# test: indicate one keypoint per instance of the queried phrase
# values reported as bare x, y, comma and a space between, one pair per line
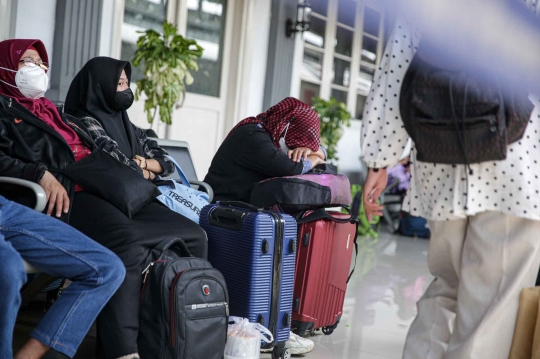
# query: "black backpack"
455, 116
184, 306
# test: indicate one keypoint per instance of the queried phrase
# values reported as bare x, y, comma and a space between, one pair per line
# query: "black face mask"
123, 100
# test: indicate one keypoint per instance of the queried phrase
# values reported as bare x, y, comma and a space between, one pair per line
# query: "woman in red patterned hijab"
283, 141
292, 120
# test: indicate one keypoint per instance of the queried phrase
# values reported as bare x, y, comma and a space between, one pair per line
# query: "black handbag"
104, 175
456, 117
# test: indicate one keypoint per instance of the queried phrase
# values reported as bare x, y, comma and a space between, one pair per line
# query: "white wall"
349, 148
36, 20
297, 64
107, 28
5, 14
259, 57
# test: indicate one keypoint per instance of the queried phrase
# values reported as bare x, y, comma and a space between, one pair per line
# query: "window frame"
177, 14
326, 84
172, 15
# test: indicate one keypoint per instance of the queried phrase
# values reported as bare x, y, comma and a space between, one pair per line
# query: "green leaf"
167, 59
333, 117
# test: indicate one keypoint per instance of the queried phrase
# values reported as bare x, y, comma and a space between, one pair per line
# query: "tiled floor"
390, 277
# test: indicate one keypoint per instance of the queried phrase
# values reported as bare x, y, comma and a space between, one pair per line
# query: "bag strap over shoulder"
181, 173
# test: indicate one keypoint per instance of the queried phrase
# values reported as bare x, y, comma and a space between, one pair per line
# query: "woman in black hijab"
100, 95
101, 103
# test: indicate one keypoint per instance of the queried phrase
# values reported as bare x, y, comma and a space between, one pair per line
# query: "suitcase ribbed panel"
325, 304
322, 271
289, 265
238, 255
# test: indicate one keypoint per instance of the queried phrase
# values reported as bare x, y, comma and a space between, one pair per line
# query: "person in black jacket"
283, 141
36, 138
99, 96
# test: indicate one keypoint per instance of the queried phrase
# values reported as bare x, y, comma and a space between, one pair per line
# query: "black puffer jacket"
247, 156
29, 147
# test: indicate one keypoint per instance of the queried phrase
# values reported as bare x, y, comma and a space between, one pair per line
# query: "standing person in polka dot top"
485, 226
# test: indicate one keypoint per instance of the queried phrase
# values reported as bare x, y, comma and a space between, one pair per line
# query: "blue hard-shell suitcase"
256, 252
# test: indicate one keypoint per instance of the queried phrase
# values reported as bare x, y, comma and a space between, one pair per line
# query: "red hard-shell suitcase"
326, 241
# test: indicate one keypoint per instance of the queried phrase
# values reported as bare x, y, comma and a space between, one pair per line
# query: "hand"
315, 160
320, 153
56, 194
375, 183
149, 175
141, 162
298, 153
154, 166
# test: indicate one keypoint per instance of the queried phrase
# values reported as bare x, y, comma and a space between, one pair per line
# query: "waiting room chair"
180, 151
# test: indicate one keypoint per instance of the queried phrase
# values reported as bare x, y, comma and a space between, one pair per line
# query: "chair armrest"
207, 188
41, 197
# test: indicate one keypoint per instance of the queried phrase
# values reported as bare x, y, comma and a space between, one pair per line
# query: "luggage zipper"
145, 273
148, 267
172, 306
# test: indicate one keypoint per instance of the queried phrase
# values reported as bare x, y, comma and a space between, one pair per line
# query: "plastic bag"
244, 339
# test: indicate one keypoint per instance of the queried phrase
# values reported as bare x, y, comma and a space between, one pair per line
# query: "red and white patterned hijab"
304, 126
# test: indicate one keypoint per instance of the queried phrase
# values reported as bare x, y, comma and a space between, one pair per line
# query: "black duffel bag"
321, 187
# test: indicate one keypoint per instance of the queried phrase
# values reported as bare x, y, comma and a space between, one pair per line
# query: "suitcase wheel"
328, 330
280, 352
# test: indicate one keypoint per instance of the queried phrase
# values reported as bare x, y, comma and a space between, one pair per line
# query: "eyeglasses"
43, 65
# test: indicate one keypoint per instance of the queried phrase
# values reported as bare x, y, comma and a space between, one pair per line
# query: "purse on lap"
104, 175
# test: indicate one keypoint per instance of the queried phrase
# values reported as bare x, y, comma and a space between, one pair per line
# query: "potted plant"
167, 59
333, 115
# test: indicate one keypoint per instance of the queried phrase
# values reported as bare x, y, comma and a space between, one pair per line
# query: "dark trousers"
131, 239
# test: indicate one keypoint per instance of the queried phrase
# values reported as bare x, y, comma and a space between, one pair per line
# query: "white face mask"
282, 143
31, 80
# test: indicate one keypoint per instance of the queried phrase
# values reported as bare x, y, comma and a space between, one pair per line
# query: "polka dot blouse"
446, 192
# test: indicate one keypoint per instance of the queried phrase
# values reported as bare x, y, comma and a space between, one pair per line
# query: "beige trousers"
480, 266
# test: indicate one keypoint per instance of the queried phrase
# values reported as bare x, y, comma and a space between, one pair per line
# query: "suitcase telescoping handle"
227, 218
239, 204
322, 214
